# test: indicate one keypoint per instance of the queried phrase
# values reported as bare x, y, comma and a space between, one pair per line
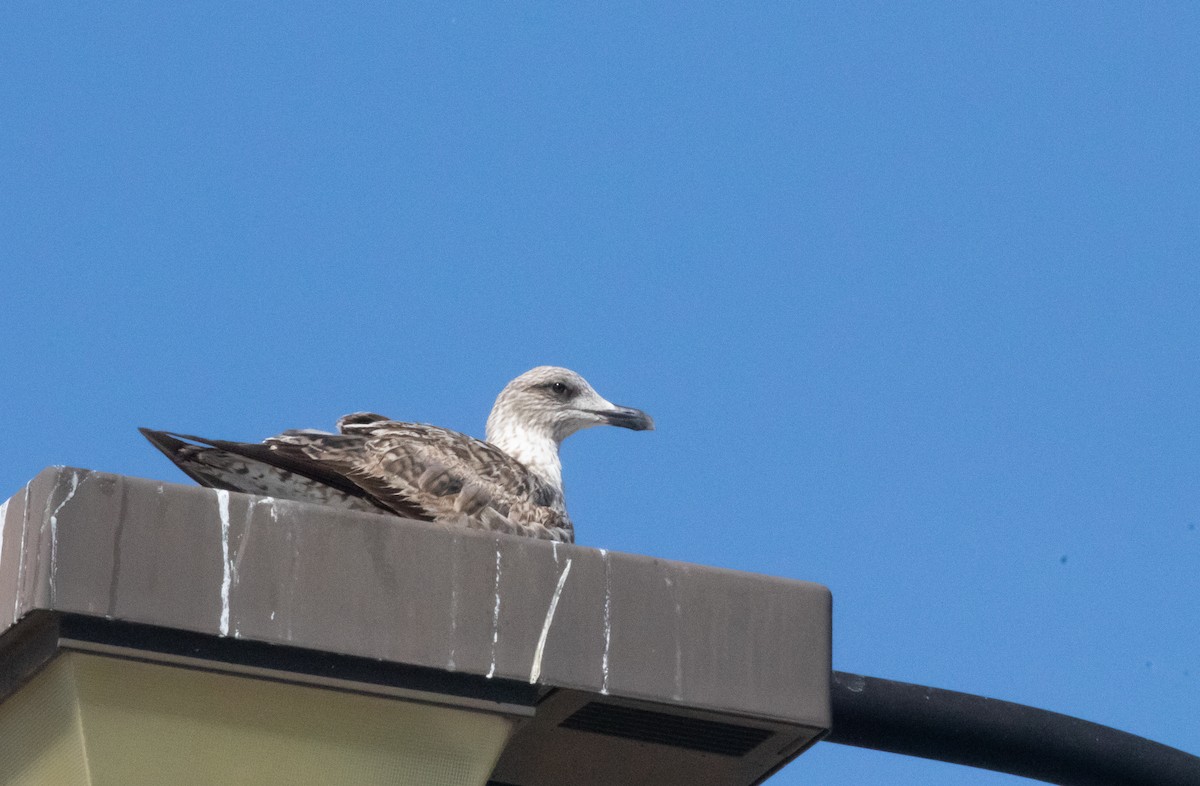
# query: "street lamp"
171, 634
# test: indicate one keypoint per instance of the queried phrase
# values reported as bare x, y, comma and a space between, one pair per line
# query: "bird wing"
450, 476
375, 464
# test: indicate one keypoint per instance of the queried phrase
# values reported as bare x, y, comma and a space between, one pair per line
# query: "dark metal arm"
975, 731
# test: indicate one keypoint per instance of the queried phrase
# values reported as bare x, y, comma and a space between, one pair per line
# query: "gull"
510, 483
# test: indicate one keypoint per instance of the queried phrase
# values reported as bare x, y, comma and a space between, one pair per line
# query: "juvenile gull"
510, 483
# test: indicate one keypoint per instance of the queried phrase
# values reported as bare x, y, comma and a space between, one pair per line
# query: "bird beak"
626, 417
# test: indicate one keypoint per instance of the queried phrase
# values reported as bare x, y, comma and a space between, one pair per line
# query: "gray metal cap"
626, 654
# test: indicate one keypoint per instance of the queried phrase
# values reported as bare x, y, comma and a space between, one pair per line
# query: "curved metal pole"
975, 731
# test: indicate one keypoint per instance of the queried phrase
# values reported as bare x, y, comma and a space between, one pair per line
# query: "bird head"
553, 403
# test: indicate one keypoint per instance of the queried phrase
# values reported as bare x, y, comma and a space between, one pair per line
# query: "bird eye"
560, 388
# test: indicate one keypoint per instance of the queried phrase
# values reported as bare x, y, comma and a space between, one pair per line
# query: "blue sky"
910, 289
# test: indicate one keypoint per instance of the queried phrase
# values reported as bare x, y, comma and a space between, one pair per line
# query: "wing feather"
410, 469
449, 474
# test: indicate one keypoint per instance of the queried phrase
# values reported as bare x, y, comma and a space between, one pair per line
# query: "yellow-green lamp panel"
103, 721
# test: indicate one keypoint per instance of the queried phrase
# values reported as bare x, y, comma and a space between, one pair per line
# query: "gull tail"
258, 469
190, 458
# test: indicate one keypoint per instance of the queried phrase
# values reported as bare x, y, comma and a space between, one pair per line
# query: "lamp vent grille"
726, 739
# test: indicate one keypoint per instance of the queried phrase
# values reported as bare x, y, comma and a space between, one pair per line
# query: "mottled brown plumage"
511, 483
